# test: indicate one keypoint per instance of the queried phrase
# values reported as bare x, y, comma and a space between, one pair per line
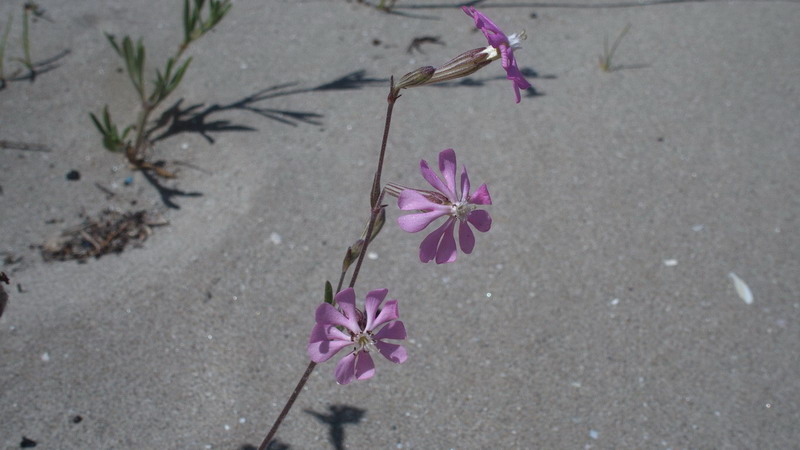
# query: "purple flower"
441, 243
364, 332
503, 47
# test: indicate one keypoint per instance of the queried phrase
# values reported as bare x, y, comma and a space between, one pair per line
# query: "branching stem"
376, 197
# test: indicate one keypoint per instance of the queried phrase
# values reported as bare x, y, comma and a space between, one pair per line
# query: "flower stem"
288, 406
394, 94
376, 197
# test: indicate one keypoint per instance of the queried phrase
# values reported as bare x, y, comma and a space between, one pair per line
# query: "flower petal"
417, 222
480, 219
431, 177
388, 313
447, 165
483, 23
320, 348
393, 352
345, 369
392, 330
466, 239
464, 184
481, 196
328, 315
372, 302
346, 300
365, 367
427, 249
446, 253
411, 200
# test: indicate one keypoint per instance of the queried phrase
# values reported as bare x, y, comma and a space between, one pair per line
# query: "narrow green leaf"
107, 118
328, 293
97, 124
186, 28
112, 40
379, 221
176, 80
3, 44
26, 45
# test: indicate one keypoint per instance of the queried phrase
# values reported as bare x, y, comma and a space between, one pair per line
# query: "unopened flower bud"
415, 78
462, 65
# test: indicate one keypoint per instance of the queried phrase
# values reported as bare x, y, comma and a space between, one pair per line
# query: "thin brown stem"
376, 198
288, 406
376, 182
375, 211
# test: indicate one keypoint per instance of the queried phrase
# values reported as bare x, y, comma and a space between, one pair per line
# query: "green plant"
605, 60
3, 40
166, 81
26, 42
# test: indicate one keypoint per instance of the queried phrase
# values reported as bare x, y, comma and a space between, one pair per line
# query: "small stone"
73, 175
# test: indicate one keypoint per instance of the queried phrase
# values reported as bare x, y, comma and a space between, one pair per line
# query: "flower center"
364, 341
515, 40
461, 210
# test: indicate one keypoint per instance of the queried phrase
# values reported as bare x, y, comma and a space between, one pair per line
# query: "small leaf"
742, 288
186, 22
114, 45
328, 293
352, 254
379, 221
179, 75
97, 124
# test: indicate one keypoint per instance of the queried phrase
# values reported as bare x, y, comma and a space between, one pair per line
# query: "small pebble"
45, 357
275, 238
670, 262
594, 434
73, 175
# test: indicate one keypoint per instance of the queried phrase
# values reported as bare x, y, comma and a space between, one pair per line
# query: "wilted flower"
364, 331
501, 46
441, 243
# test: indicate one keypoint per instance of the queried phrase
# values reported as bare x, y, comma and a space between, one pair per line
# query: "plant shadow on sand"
38, 68
340, 415
336, 419
205, 121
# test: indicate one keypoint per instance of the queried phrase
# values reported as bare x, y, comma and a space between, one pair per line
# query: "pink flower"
503, 47
365, 332
441, 242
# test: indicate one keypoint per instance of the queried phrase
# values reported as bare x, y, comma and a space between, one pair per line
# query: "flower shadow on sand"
340, 415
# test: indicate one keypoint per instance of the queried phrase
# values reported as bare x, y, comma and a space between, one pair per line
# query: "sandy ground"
597, 313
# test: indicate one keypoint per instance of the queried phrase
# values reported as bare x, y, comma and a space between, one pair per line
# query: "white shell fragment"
275, 238
670, 262
742, 289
